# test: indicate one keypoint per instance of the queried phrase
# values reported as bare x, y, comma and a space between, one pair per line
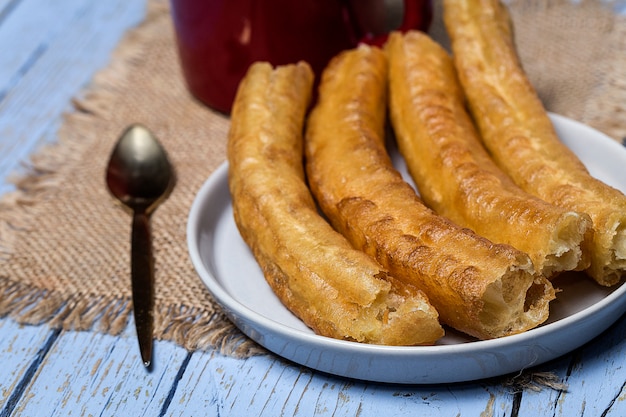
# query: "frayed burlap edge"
191, 328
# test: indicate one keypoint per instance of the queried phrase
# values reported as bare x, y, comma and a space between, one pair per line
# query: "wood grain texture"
105, 377
50, 50
22, 348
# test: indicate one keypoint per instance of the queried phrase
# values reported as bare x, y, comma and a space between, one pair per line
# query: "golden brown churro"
519, 134
338, 291
453, 172
486, 290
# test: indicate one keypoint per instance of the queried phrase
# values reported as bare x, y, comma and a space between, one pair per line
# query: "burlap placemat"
65, 243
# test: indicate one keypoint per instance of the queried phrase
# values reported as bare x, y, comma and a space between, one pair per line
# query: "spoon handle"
142, 278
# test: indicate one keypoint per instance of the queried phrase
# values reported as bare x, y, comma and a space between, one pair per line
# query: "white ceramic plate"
225, 264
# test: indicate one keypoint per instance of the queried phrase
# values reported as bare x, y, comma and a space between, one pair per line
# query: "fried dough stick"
338, 291
454, 173
483, 289
519, 134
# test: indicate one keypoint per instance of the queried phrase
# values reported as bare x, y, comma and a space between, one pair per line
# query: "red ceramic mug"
219, 39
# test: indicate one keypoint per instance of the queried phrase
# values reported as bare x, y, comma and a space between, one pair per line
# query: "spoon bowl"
139, 173
140, 176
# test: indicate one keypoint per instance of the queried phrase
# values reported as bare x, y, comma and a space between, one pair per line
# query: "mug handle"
372, 20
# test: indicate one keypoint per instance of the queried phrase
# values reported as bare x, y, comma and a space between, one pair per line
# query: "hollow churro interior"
395, 311
609, 264
619, 246
513, 306
565, 252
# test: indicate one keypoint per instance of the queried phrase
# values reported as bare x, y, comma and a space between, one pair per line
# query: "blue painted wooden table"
49, 51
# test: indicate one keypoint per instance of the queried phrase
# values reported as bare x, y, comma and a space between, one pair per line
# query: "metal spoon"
140, 175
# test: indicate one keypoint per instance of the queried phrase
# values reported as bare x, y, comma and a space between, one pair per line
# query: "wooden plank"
270, 386
28, 28
6, 7
21, 347
32, 105
88, 373
596, 380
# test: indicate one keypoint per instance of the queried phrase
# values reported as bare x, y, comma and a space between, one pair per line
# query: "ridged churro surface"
454, 173
519, 135
338, 291
486, 290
